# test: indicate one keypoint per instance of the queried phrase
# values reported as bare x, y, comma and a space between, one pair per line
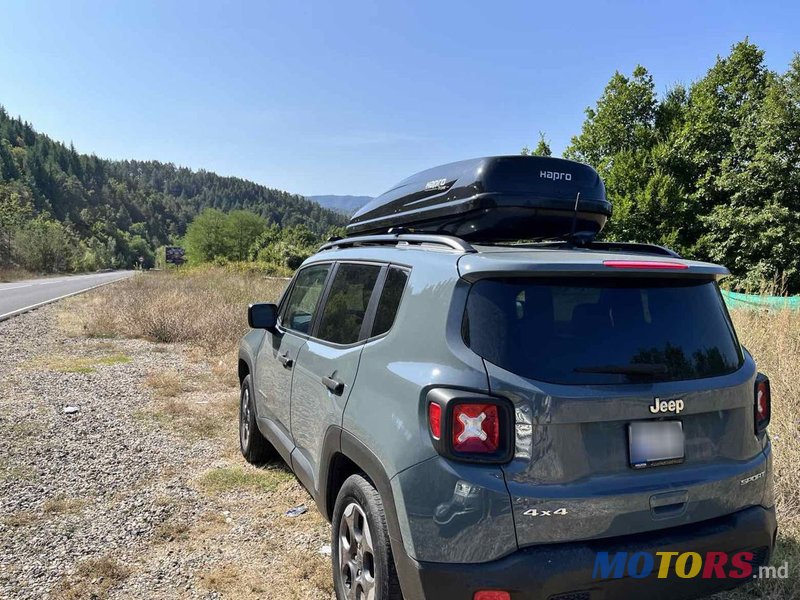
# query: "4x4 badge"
664, 406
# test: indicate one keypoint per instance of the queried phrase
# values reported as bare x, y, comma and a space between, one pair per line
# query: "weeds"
94, 579
21, 518
63, 505
167, 384
773, 338
204, 306
85, 365
19, 473
225, 479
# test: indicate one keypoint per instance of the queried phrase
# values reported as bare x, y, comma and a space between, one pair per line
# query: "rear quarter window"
576, 331
391, 295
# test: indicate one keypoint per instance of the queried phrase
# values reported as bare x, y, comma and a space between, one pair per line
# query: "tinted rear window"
558, 329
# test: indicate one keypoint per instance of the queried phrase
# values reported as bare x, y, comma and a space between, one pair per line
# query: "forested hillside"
712, 169
344, 204
61, 210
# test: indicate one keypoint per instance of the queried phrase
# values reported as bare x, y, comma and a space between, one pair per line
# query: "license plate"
654, 443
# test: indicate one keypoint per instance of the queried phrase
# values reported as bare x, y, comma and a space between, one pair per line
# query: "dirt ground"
142, 492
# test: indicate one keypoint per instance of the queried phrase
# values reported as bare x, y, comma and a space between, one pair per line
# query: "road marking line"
20, 311
16, 287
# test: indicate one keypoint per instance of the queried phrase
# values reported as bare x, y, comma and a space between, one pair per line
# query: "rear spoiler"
549, 263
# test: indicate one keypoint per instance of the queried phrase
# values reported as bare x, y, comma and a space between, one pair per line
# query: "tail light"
645, 264
763, 403
469, 426
435, 420
491, 595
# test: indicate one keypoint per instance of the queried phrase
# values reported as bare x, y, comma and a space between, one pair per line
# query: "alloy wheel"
356, 554
244, 418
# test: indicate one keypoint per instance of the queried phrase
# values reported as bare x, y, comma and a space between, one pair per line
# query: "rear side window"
574, 331
390, 300
347, 302
304, 297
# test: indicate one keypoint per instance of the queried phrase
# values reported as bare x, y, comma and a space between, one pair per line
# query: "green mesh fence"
737, 300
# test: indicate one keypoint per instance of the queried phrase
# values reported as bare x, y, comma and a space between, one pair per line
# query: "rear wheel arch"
351, 453
243, 369
344, 455
340, 468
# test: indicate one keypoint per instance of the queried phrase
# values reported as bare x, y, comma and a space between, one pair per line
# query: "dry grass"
226, 479
21, 518
773, 338
16, 473
94, 578
8, 274
171, 531
81, 364
168, 384
188, 419
205, 307
62, 505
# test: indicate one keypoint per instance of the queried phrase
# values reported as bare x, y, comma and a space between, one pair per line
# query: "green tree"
754, 228
243, 229
542, 148
623, 137
45, 246
207, 237
622, 120
717, 137
16, 207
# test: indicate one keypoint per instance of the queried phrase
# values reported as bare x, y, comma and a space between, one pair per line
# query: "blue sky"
348, 97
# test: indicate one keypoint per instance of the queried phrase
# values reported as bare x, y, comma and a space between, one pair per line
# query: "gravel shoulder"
141, 492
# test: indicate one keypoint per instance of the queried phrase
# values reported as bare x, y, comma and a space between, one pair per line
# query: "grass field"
206, 309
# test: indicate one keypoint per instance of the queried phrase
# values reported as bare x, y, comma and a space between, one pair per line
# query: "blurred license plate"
654, 443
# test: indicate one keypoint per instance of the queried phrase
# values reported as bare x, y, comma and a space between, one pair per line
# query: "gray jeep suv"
566, 420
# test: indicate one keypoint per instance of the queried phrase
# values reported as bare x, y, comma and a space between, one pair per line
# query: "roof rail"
452, 242
612, 247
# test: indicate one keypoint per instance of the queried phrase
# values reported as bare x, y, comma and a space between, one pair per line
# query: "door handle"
334, 385
285, 360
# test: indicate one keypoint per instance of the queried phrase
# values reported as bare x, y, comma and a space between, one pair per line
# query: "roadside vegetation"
249, 242
773, 338
204, 306
708, 169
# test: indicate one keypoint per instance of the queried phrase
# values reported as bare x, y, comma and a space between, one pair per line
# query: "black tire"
255, 448
380, 568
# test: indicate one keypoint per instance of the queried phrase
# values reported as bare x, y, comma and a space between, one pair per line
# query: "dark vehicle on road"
489, 404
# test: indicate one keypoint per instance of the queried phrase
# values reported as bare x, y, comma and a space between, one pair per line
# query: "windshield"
578, 331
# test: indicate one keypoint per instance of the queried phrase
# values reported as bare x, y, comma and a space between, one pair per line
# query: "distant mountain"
343, 204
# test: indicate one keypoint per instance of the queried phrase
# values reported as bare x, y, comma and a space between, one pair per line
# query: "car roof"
496, 261
475, 261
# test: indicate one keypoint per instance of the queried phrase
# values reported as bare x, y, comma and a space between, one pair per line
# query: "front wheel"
363, 567
255, 448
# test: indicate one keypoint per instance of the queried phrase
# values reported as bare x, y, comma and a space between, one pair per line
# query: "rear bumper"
555, 570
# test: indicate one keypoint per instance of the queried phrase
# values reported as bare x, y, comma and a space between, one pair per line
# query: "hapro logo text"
555, 175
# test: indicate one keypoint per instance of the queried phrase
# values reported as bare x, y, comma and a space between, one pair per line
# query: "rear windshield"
598, 331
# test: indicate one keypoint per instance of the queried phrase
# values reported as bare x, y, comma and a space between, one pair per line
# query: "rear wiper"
649, 370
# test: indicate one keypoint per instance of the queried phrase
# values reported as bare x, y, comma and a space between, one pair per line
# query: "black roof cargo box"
498, 198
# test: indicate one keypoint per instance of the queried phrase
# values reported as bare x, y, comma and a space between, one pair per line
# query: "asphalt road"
19, 296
